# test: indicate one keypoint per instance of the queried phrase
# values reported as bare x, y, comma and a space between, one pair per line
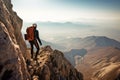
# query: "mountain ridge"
89, 42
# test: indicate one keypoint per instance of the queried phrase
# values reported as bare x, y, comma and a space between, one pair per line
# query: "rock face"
52, 65
12, 45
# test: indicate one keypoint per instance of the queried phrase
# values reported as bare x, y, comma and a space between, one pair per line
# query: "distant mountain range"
58, 24
88, 42
85, 43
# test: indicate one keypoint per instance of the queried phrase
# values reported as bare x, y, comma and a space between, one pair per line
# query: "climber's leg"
37, 47
31, 44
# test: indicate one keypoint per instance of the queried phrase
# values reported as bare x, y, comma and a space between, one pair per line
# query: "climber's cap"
34, 25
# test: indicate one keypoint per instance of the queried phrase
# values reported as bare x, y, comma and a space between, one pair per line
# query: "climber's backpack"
30, 33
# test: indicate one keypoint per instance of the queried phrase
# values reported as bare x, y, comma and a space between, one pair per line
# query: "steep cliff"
12, 46
52, 65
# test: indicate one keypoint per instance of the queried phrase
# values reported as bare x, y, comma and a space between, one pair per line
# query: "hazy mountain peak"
89, 42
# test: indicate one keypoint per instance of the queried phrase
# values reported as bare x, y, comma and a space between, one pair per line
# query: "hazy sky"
68, 10
104, 15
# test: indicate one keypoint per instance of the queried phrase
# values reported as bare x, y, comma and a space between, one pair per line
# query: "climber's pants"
34, 43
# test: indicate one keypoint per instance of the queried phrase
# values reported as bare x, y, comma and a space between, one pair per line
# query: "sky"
68, 10
104, 15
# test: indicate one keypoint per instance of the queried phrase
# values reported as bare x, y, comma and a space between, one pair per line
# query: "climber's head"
35, 25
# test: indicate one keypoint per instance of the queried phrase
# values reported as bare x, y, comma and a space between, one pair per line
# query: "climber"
33, 37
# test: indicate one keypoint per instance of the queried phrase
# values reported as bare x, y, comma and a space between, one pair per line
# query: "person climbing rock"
33, 37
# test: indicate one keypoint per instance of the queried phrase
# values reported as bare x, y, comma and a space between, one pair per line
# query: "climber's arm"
38, 38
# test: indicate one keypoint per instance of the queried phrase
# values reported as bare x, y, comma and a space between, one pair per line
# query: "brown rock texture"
110, 72
52, 65
12, 45
101, 64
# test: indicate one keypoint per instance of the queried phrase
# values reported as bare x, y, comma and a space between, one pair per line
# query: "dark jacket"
37, 36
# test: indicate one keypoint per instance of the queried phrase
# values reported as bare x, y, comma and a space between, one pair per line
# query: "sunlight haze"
56, 10
102, 17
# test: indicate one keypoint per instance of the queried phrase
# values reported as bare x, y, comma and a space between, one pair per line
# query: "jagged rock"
12, 45
52, 65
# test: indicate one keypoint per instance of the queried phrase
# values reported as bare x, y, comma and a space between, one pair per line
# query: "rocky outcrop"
12, 46
52, 65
